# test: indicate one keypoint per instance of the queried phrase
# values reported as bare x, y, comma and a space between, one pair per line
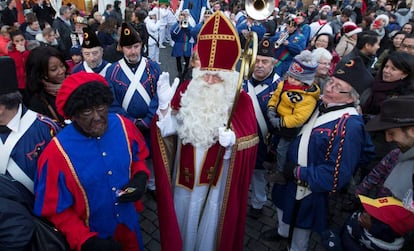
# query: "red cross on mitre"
218, 44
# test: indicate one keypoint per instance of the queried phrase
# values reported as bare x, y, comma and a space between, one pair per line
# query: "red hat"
73, 82
350, 28
218, 44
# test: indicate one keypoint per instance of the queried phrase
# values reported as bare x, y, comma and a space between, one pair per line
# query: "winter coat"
403, 16
345, 45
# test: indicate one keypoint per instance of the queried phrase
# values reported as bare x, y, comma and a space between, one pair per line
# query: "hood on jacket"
403, 11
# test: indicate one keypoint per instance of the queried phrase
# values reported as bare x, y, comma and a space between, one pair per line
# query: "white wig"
321, 53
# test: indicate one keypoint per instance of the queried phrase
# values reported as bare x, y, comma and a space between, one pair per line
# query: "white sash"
18, 174
135, 83
6, 148
306, 131
89, 69
259, 114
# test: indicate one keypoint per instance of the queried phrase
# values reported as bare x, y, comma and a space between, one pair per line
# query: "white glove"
227, 137
165, 92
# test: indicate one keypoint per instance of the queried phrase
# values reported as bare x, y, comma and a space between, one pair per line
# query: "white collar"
14, 124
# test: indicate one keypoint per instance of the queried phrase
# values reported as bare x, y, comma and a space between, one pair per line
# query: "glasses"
407, 46
336, 87
89, 111
322, 41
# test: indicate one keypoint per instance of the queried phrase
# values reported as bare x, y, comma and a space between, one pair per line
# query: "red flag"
390, 211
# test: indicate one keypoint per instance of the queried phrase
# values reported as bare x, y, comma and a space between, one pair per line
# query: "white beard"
205, 108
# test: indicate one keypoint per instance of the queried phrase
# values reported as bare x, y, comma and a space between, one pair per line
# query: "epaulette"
54, 127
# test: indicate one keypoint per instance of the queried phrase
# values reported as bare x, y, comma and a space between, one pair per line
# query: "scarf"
32, 32
400, 178
288, 86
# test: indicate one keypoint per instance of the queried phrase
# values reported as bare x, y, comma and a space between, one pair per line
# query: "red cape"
230, 232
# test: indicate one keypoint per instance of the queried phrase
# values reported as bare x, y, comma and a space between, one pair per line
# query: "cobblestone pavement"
254, 227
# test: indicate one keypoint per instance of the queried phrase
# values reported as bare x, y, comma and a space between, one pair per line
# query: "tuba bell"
259, 9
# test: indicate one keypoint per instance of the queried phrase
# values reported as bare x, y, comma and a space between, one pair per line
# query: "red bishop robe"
230, 232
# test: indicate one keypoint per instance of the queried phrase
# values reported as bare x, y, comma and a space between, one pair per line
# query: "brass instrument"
259, 9
183, 20
282, 38
184, 23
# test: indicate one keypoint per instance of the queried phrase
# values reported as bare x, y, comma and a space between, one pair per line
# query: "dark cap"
290, 21
75, 50
265, 48
354, 73
8, 75
90, 40
395, 112
129, 35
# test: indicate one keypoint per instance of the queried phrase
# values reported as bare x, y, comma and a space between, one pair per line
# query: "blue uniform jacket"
263, 98
319, 173
119, 83
285, 53
181, 36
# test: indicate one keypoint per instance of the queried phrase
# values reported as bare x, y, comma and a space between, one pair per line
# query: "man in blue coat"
286, 49
260, 88
321, 160
24, 135
133, 80
92, 53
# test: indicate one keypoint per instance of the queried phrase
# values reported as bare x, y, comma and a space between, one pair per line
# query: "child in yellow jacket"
290, 107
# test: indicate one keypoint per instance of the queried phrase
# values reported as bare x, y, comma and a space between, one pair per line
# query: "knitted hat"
75, 50
90, 40
73, 82
303, 67
265, 48
383, 17
350, 28
129, 35
8, 75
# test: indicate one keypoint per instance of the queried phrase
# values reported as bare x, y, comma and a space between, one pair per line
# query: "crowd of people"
327, 104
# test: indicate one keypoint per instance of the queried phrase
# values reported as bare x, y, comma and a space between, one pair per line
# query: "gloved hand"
227, 137
141, 126
273, 118
275, 123
97, 244
135, 188
165, 92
